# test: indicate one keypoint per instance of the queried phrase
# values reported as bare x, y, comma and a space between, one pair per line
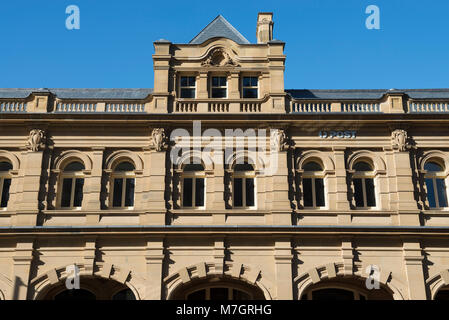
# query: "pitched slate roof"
366, 94
113, 94
221, 28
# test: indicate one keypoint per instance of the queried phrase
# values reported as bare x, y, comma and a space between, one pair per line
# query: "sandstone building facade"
344, 186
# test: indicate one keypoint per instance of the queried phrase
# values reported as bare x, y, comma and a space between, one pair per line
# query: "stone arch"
325, 160
437, 282
441, 157
253, 158
6, 286
42, 283
10, 157
204, 270
373, 158
120, 155
188, 156
337, 271
71, 155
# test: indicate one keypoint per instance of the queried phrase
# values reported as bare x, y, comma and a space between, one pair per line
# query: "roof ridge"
234, 32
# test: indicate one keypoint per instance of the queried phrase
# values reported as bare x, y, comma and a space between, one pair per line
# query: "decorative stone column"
402, 186
413, 260
28, 205
154, 256
283, 268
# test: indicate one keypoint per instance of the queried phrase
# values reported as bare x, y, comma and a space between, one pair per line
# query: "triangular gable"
219, 27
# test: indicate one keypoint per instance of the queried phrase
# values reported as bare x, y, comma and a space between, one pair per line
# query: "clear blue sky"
327, 43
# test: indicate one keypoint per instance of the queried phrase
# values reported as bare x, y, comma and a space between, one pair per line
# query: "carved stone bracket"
36, 140
279, 140
159, 139
400, 140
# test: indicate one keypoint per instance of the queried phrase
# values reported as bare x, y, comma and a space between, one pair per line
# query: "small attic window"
188, 87
219, 87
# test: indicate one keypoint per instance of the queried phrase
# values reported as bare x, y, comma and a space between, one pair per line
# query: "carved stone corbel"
36, 140
159, 139
400, 140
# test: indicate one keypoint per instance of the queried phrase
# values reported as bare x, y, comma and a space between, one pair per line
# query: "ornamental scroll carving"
159, 139
36, 140
219, 58
399, 140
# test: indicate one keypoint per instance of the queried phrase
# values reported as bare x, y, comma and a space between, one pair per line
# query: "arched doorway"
224, 289
91, 288
442, 294
345, 289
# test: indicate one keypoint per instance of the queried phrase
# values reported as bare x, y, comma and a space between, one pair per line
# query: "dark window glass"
442, 197
199, 295
433, 167
362, 166
250, 93
75, 295
250, 81
332, 294
370, 193
243, 167
193, 167
319, 192
358, 193
129, 196
188, 93
431, 193
187, 192
249, 192
240, 295
5, 166
78, 199
66, 192
219, 293
124, 166
5, 193
199, 192
118, 191
307, 192
125, 294
219, 81
238, 192
188, 81
312, 166
218, 93
74, 166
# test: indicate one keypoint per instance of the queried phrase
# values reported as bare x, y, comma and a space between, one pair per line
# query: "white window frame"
250, 87
244, 175
188, 87
194, 175
442, 175
363, 175
70, 175
5, 175
313, 175
122, 175
220, 87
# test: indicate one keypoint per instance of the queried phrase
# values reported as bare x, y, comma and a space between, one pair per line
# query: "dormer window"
219, 87
250, 87
188, 87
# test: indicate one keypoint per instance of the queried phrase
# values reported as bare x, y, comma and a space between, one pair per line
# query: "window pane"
238, 192
250, 93
199, 295
246, 81
358, 193
218, 93
362, 166
74, 166
442, 197
219, 293
124, 166
187, 192
129, 196
249, 192
433, 167
5, 166
307, 192
240, 295
188, 93
430, 193
184, 81
215, 82
370, 193
118, 189
243, 167
319, 191
312, 166
223, 81
66, 193
78, 199
193, 167
5, 193
199, 192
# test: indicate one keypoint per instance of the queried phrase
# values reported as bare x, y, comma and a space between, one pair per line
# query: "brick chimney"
264, 27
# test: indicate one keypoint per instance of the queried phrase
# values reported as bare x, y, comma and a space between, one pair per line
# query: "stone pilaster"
413, 260
347, 254
92, 187
154, 256
22, 259
155, 214
280, 203
341, 202
283, 269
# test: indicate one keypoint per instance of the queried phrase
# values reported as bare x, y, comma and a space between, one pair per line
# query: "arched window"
125, 294
5, 183
72, 182
243, 189
363, 182
123, 185
435, 183
333, 294
193, 188
75, 295
313, 185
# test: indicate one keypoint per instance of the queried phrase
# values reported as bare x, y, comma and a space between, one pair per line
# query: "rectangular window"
219, 87
187, 192
5, 193
307, 192
118, 189
442, 197
370, 193
188, 87
250, 87
249, 192
319, 189
358, 189
431, 193
129, 196
199, 192
78, 197
66, 193
238, 192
